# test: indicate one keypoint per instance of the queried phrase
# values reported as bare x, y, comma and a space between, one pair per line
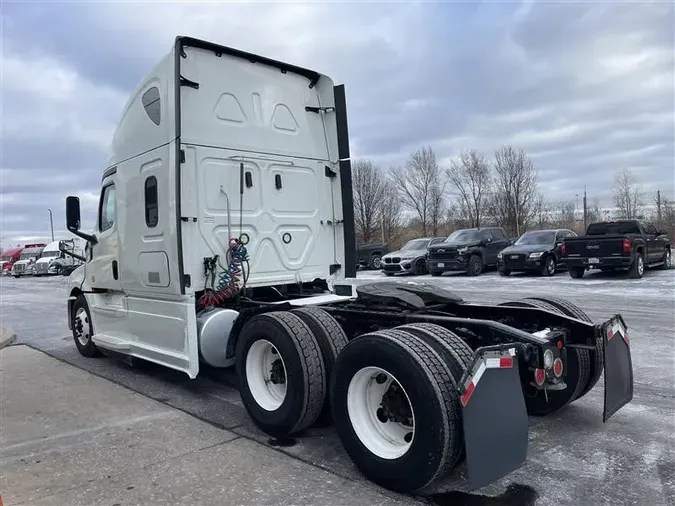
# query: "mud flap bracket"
496, 426
618, 366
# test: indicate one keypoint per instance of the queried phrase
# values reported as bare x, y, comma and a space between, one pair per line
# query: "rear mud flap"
618, 366
496, 426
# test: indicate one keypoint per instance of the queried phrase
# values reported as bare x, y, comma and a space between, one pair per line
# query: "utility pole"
585, 209
658, 207
51, 223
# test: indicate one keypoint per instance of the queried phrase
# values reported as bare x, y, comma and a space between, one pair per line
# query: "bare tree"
515, 190
469, 175
368, 183
542, 211
628, 196
594, 213
392, 215
563, 215
421, 189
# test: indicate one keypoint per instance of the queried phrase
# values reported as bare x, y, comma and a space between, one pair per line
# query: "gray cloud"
586, 89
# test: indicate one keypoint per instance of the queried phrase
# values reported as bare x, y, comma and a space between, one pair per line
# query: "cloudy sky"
585, 88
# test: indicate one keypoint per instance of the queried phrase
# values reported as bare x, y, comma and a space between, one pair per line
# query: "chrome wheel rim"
82, 328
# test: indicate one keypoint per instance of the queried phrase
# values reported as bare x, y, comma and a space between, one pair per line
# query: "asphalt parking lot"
573, 457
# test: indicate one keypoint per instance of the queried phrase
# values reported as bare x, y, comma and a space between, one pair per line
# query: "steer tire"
475, 265
331, 339
423, 375
667, 260
305, 375
596, 358
542, 403
87, 348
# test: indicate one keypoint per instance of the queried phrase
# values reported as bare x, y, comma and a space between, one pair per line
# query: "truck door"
654, 250
103, 262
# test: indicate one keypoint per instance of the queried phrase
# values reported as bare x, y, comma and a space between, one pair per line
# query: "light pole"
51, 223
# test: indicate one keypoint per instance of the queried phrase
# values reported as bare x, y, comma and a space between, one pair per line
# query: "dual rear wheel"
391, 394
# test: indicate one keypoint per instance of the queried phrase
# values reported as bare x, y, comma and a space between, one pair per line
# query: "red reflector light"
563, 249
557, 367
560, 345
539, 376
626, 245
506, 362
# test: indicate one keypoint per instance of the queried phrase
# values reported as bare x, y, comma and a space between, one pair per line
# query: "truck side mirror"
73, 213
73, 220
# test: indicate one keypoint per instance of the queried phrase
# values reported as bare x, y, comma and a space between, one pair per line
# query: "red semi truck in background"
8, 257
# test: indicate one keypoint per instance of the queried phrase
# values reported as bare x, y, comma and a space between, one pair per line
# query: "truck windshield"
532, 238
465, 236
5, 259
613, 228
26, 256
46, 254
415, 244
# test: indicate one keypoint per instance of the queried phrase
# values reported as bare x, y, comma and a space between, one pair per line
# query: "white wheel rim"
641, 266
82, 329
390, 439
261, 360
668, 259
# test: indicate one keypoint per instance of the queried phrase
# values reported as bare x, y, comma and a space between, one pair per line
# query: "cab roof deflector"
219, 50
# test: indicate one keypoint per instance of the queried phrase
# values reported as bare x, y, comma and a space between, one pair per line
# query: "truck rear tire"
596, 359
419, 445
577, 272
83, 328
637, 268
577, 366
331, 339
280, 373
667, 260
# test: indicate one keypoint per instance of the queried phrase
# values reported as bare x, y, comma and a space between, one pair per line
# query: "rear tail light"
626, 245
563, 249
539, 376
557, 367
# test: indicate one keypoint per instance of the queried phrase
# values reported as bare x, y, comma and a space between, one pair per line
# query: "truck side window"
107, 209
151, 104
649, 228
151, 205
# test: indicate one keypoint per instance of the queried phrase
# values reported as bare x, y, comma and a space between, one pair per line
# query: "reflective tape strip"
617, 328
488, 363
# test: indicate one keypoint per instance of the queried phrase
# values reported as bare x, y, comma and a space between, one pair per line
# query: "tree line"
421, 199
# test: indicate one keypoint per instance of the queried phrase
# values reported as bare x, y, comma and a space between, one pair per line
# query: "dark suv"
469, 250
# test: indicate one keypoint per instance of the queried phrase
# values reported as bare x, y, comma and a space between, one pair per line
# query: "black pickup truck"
628, 245
369, 256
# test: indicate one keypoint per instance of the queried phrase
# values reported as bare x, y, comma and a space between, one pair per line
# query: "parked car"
628, 245
370, 255
411, 258
469, 250
538, 250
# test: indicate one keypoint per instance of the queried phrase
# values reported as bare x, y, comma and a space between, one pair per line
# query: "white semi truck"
55, 258
26, 264
225, 236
